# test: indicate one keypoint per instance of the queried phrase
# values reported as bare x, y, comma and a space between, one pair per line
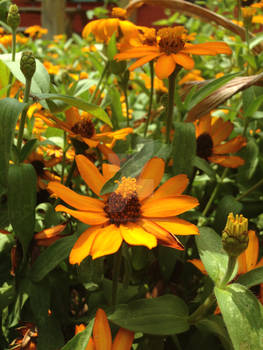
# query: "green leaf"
203, 165
50, 335
116, 107
40, 81
248, 95
27, 149
251, 156
135, 164
228, 204
51, 257
21, 297
212, 253
251, 278
80, 341
4, 74
205, 91
159, 316
9, 112
183, 148
111, 47
253, 106
7, 294
255, 41
95, 110
22, 192
243, 316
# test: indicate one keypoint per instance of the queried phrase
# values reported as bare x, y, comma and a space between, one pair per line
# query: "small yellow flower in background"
248, 13
158, 84
51, 68
102, 339
36, 31
170, 48
193, 75
211, 132
133, 213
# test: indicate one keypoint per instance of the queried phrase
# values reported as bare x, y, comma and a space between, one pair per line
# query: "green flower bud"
235, 235
13, 17
28, 64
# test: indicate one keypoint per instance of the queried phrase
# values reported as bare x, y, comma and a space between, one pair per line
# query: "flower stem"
13, 60
150, 100
23, 115
208, 205
127, 105
170, 107
70, 173
251, 189
93, 96
230, 268
202, 310
115, 275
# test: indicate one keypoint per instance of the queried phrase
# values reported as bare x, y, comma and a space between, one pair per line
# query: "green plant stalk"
150, 100
13, 60
202, 310
99, 83
170, 107
208, 205
230, 268
127, 105
251, 189
23, 115
64, 157
115, 275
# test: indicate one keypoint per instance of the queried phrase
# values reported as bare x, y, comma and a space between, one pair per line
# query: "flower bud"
28, 64
13, 17
235, 235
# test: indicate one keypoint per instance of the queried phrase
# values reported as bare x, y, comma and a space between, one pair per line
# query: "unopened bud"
28, 64
235, 235
13, 17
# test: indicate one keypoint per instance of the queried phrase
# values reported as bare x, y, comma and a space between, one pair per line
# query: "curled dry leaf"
221, 95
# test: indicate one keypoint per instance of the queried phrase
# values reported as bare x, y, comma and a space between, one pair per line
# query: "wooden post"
53, 17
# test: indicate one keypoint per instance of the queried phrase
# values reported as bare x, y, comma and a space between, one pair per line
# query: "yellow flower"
193, 75
102, 339
133, 213
170, 48
36, 31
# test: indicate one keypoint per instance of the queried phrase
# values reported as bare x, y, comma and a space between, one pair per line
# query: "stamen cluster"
171, 39
84, 127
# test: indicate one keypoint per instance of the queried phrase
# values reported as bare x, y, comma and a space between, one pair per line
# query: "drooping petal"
91, 345
221, 132
123, 340
227, 161
101, 331
109, 170
140, 62
50, 232
165, 66
74, 199
177, 226
91, 143
110, 26
90, 173
82, 246
199, 265
72, 116
128, 28
183, 60
204, 125
136, 235
109, 154
252, 250
136, 52
232, 146
107, 242
150, 177
90, 218
209, 48
166, 207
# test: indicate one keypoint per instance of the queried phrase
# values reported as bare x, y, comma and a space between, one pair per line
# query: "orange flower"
210, 134
170, 48
49, 235
132, 213
104, 28
193, 75
36, 31
102, 339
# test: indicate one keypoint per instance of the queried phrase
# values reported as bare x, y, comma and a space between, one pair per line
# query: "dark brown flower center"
39, 167
171, 39
204, 146
84, 128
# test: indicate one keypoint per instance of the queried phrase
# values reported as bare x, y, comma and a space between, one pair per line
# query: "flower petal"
109, 154
101, 331
165, 66
136, 235
74, 199
107, 242
209, 48
183, 60
231, 146
203, 125
166, 207
90, 174
221, 130
109, 170
140, 62
82, 246
177, 226
227, 161
72, 116
50, 232
123, 340
251, 252
199, 265
90, 218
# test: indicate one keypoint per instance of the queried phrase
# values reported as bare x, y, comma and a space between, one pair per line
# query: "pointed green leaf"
27, 149
251, 156
251, 278
203, 165
80, 341
159, 316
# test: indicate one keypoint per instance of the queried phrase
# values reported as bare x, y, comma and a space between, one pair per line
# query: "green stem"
70, 173
170, 107
202, 310
13, 60
251, 189
64, 156
115, 275
214, 192
230, 268
23, 116
151, 99
127, 105
99, 83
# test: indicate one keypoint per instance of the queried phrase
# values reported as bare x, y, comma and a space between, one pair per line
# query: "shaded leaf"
203, 165
251, 278
80, 341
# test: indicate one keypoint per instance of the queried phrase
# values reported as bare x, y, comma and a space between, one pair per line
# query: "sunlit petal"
136, 235
123, 340
101, 331
90, 218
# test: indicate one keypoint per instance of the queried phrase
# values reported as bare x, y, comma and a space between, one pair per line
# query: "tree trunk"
53, 17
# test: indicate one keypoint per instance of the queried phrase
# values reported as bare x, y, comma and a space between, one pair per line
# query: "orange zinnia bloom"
210, 134
36, 31
170, 48
102, 339
132, 213
104, 28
